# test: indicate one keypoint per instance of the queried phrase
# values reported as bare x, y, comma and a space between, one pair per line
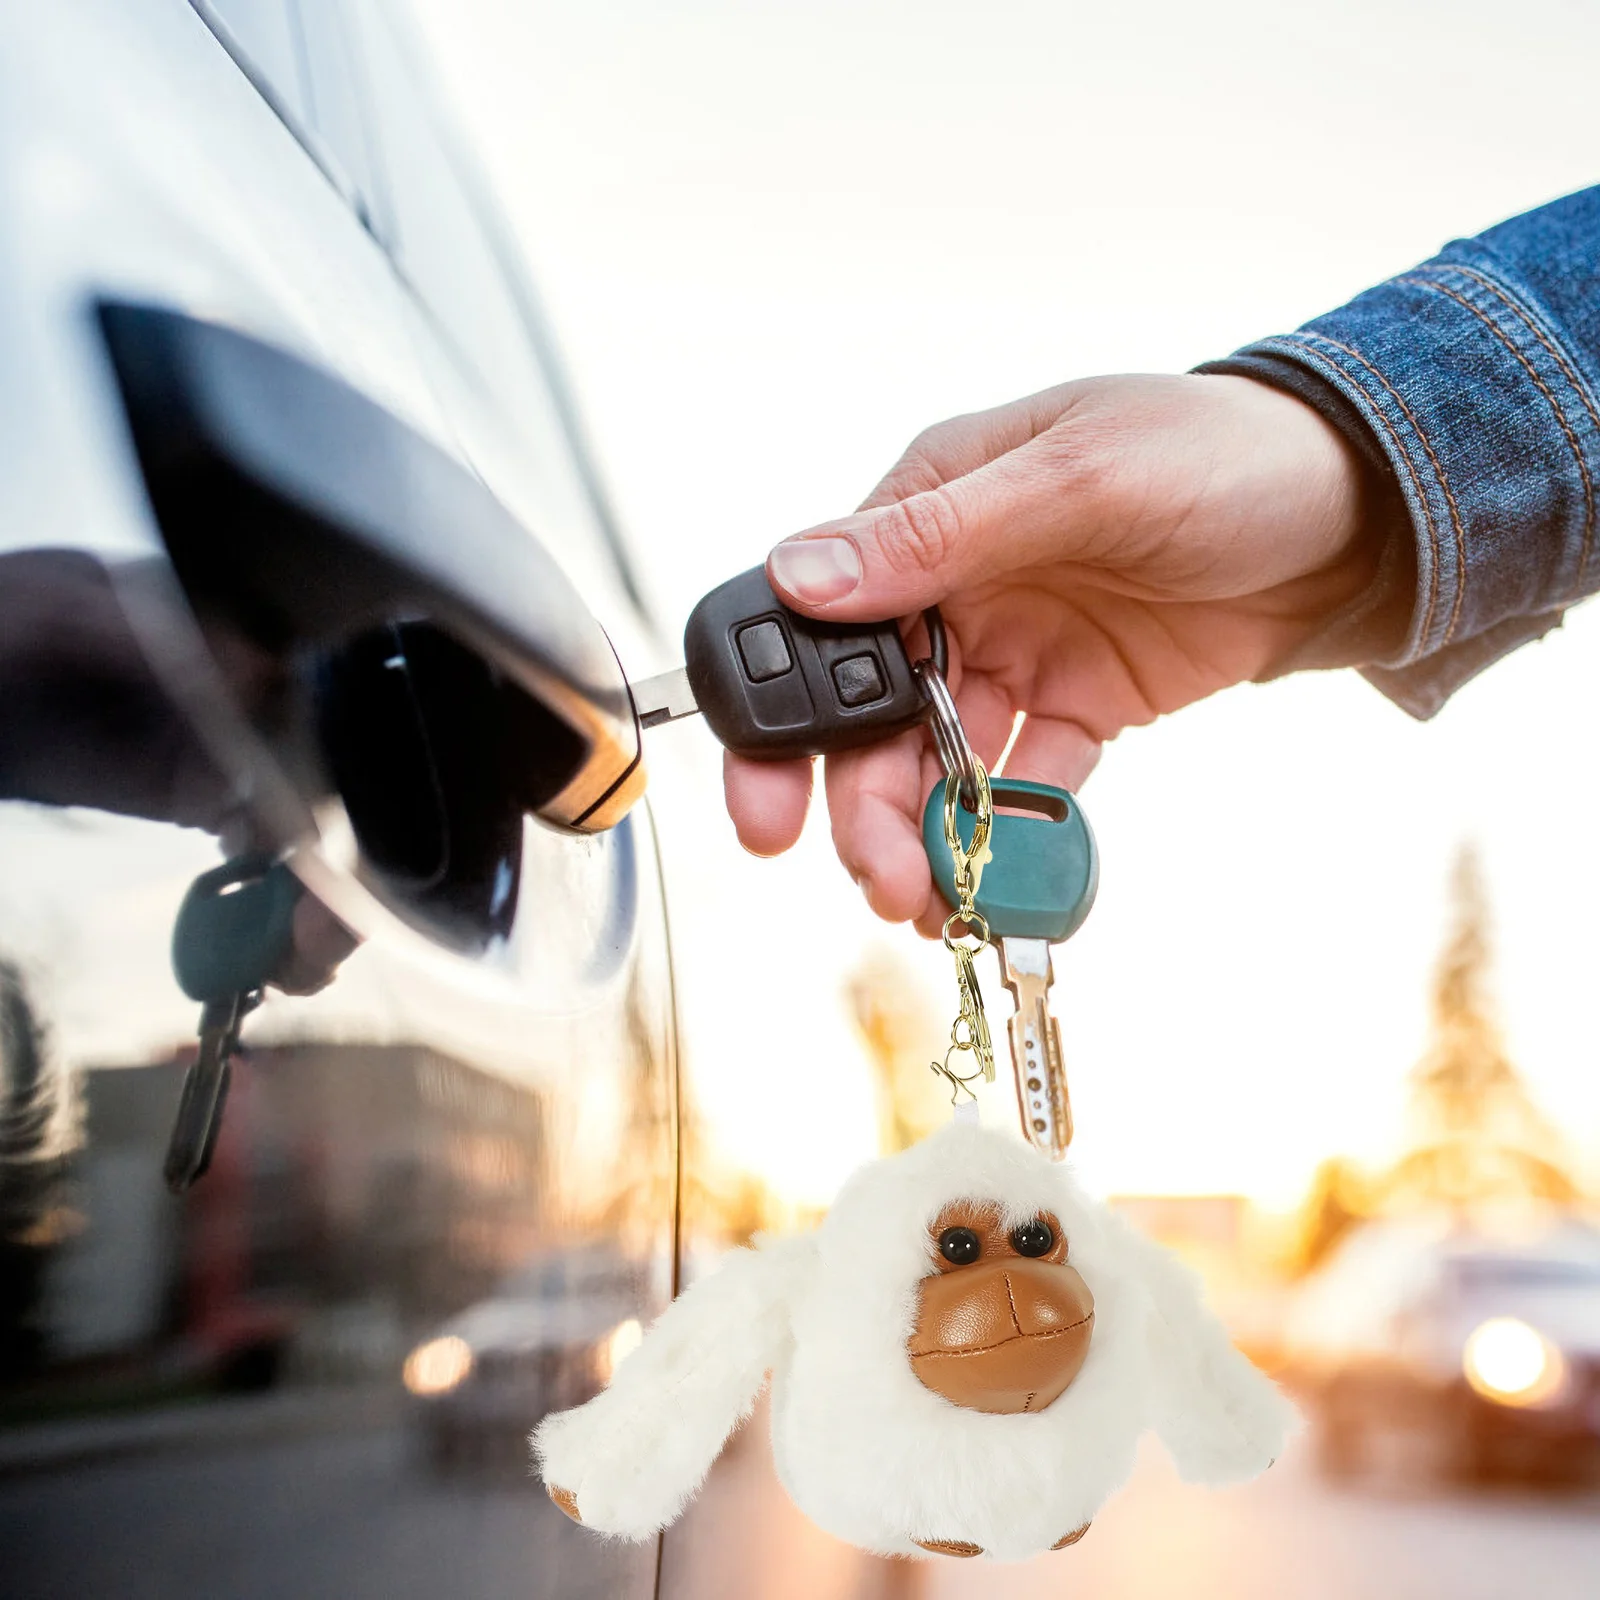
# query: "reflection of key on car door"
235, 930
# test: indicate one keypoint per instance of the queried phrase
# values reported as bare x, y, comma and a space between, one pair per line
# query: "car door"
255, 593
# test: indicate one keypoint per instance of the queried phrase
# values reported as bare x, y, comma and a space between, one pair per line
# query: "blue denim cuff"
1486, 410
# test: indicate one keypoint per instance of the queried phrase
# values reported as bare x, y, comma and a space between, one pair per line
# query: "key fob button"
764, 651
857, 680
775, 685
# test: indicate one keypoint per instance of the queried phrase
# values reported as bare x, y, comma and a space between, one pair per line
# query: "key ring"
960, 1083
955, 751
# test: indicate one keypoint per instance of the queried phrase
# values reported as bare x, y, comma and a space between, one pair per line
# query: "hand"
1103, 552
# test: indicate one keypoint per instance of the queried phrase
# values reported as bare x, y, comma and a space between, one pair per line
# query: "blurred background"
1329, 1031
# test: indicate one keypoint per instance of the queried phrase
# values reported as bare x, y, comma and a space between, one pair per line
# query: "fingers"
320, 944
767, 801
963, 444
1034, 504
1055, 751
904, 528
876, 798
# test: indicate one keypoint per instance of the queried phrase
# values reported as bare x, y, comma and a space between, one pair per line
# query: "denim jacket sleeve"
1478, 376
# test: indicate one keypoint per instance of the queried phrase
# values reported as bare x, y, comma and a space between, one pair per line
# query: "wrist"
1357, 601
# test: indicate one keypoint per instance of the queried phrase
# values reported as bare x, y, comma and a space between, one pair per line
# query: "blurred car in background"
549, 1337
1481, 1349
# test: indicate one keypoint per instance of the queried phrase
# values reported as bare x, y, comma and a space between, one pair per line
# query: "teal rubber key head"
234, 928
1044, 868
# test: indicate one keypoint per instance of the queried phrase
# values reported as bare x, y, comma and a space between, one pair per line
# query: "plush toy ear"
1222, 1420
627, 1461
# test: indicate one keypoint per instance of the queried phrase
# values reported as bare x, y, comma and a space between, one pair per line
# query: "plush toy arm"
627, 1461
1222, 1420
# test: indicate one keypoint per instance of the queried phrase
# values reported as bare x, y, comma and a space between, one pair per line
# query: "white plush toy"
963, 1357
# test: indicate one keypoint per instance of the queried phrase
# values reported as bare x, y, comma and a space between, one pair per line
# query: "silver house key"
1035, 1036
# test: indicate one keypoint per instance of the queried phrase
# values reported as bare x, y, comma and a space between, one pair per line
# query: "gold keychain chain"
969, 1033
966, 783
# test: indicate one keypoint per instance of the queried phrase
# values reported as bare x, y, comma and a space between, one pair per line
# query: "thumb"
893, 560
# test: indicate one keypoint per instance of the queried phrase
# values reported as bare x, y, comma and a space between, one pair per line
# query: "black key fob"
775, 685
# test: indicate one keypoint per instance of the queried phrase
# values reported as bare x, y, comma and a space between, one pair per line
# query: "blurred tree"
897, 1023
721, 1202
1478, 1134
1340, 1196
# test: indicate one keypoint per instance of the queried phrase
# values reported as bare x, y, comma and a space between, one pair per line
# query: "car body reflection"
396, 1148
549, 1337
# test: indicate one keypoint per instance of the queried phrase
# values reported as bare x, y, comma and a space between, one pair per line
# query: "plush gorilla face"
1004, 1325
967, 1372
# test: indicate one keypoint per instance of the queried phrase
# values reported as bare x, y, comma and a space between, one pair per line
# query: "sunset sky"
777, 241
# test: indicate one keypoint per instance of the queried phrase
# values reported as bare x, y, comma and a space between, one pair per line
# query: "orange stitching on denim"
1579, 388
1400, 450
1525, 317
1444, 483
1544, 389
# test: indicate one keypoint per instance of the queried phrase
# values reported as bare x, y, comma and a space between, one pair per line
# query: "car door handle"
315, 515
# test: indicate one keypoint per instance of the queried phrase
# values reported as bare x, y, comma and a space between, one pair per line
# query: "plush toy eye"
1033, 1238
961, 1246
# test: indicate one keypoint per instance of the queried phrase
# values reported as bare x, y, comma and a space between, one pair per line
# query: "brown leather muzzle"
1002, 1336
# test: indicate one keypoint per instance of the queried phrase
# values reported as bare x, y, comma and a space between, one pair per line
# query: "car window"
498, 376
1489, 1273
436, 235
335, 102
263, 36
538, 1280
300, 58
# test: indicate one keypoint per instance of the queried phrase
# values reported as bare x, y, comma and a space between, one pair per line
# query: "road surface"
1290, 1536
351, 1515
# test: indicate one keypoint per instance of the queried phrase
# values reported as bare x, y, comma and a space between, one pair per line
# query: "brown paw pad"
1070, 1538
948, 1547
566, 1499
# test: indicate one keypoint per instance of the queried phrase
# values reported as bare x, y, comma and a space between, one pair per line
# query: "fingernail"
816, 570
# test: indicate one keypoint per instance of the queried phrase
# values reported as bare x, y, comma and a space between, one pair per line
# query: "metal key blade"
1036, 1055
205, 1091
664, 698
